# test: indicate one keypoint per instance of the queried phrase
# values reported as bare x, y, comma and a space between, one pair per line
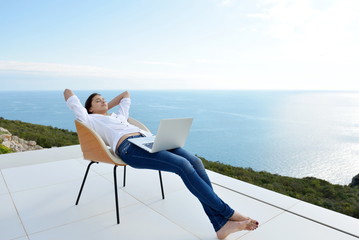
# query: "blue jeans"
189, 168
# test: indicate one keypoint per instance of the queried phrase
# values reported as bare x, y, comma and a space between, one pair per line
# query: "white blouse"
110, 127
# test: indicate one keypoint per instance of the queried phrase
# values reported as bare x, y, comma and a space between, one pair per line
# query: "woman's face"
98, 105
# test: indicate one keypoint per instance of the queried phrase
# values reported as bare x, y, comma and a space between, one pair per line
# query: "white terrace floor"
38, 190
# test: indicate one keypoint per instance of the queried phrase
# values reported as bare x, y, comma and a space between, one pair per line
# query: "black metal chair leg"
116, 196
84, 180
162, 191
124, 175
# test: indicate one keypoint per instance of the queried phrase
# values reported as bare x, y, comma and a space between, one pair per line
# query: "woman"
115, 131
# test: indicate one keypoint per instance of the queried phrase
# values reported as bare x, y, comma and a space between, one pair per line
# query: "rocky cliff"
15, 143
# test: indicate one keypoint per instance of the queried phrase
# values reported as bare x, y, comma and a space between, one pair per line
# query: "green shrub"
4, 149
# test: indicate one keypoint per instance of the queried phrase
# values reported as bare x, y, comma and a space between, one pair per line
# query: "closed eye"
100, 100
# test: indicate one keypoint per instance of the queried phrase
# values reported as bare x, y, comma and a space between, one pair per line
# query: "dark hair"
88, 102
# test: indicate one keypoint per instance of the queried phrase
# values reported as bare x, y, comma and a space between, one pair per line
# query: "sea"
290, 133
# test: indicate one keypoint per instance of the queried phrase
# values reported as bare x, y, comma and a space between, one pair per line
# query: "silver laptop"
172, 133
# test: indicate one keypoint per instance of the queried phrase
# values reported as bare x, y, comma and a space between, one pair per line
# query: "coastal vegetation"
4, 149
45, 136
340, 198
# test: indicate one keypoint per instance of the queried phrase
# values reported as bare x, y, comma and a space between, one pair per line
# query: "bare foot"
235, 226
239, 217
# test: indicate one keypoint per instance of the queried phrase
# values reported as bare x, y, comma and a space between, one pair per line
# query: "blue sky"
179, 44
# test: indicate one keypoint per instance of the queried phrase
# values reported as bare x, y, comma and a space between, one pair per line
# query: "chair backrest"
94, 148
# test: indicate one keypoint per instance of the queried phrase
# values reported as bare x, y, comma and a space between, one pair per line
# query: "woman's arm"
75, 105
114, 102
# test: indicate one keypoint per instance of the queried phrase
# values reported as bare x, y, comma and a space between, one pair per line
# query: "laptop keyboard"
149, 145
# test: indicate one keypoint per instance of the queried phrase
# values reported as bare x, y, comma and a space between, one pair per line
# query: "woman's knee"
195, 161
184, 166
198, 162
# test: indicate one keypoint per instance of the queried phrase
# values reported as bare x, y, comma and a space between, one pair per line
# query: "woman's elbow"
68, 93
126, 94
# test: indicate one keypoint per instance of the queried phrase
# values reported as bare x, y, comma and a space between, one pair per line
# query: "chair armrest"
138, 124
